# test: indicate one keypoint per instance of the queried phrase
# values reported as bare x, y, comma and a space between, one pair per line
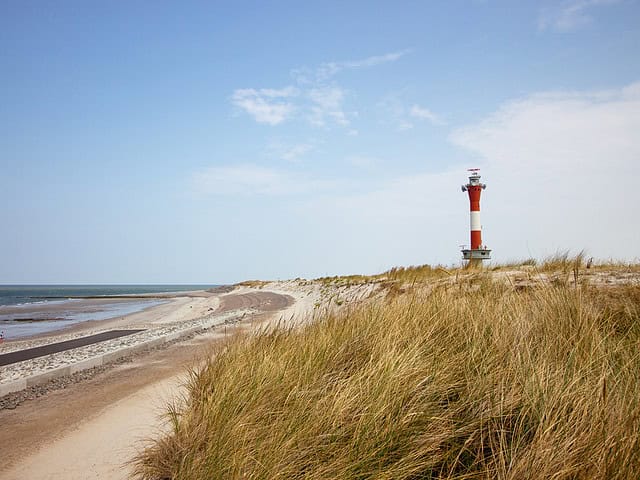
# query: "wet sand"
59, 316
55, 308
171, 304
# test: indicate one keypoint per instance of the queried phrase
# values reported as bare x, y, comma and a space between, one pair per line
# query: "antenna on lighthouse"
478, 252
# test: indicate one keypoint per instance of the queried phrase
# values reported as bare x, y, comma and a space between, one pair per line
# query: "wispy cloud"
393, 111
364, 162
570, 14
239, 179
403, 117
315, 98
266, 105
287, 151
327, 70
327, 104
422, 113
250, 179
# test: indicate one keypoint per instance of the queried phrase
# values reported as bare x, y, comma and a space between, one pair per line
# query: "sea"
27, 310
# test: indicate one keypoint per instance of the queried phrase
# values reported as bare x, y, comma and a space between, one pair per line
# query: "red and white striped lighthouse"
477, 252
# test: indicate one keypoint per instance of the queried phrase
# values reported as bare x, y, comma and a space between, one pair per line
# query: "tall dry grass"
467, 380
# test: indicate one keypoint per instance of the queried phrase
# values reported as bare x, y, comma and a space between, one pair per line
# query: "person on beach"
2, 336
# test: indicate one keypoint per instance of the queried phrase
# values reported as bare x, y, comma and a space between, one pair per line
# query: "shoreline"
158, 323
90, 305
185, 314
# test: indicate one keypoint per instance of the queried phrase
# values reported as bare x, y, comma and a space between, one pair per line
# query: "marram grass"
463, 381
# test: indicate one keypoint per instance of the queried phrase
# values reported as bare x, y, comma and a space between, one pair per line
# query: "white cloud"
329, 69
570, 14
403, 117
405, 220
320, 101
562, 170
326, 104
560, 130
289, 152
238, 180
363, 161
422, 113
560, 174
394, 111
250, 179
375, 60
266, 105
296, 151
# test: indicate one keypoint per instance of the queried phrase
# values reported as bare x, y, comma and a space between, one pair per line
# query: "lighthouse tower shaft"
476, 227
477, 252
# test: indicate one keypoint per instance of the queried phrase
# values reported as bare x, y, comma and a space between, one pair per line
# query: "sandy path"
102, 446
93, 428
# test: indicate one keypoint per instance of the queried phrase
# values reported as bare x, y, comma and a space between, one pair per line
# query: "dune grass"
412, 274
253, 283
469, 379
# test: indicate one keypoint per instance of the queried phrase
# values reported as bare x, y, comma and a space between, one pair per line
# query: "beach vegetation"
253, 283
469, 378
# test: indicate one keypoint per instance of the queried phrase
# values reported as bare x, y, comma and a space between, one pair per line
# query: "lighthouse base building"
478, 254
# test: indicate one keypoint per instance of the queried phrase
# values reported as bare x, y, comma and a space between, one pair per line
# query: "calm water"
27, 310
22, 294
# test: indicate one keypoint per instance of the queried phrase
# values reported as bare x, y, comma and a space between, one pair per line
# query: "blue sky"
186, 142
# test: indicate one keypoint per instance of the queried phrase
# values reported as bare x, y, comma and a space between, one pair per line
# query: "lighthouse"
478, 252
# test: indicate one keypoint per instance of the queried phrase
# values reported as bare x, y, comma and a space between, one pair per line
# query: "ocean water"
24, 294
27, 310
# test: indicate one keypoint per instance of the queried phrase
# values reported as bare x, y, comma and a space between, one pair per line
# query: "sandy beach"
92, 428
